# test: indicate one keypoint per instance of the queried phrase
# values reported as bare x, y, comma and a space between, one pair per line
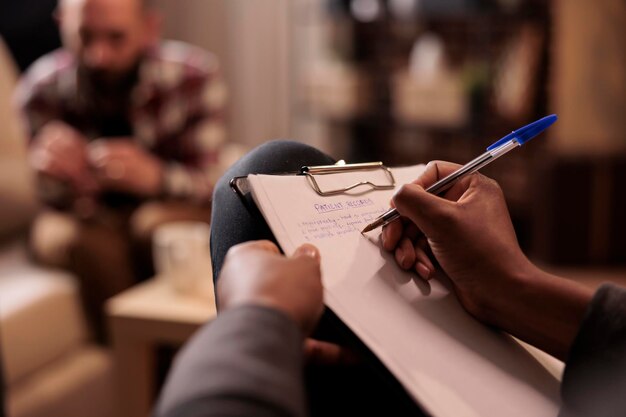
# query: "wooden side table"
140, 319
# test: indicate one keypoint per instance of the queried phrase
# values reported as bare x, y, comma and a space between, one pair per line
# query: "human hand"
59, 152
469, 232
255, 273
319, 352
120, 165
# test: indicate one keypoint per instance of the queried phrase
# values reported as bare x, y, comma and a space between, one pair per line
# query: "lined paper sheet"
449, 362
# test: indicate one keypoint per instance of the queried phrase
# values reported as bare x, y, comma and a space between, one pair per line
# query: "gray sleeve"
594, 382
247, 362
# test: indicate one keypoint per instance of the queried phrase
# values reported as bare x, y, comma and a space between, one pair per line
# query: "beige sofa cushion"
40, 315
78, 385
17, 190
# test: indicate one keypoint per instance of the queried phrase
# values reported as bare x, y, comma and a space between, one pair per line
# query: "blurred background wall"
407, 81
252, 39
589, 76
28, 29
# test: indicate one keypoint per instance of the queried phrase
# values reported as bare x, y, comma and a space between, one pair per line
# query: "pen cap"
526, 133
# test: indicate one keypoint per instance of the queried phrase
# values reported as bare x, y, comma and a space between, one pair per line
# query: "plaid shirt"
176, 111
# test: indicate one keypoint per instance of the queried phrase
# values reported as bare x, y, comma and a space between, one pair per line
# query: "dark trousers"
366, 389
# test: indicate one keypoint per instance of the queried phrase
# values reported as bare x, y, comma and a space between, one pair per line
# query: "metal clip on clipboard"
241, 186
341, 167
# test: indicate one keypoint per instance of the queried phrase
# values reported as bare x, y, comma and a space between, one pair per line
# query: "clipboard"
389, 311
341, 333
241, 186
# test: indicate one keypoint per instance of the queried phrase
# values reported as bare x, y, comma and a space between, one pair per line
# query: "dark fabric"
248, 362
364, 389
235, 221
29, 29
594, 382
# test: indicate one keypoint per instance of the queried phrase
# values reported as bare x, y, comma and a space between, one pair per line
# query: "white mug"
182, 257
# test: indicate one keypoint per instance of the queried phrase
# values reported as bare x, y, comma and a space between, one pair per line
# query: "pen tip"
367, 229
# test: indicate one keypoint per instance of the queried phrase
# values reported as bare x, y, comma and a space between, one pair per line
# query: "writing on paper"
346, 205
339, 218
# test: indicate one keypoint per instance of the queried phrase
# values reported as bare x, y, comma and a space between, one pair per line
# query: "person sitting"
249, 361
126, 134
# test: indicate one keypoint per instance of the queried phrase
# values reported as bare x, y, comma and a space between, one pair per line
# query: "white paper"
449, 362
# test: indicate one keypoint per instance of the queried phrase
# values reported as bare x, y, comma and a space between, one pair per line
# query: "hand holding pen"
495, 151
462, 231
470, 235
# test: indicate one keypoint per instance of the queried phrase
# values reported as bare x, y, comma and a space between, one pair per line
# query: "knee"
271, 158
283, 155
54, 236
283, 147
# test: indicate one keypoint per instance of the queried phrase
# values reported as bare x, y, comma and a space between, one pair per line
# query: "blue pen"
508, 143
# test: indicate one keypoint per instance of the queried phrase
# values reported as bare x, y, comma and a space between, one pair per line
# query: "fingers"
324, 353
435, 170
423, 263
123, 166
47, 163
391, 235
395, 231
62, 141
53, 146
405, 254
415, 256
109, 159
262, 245
109, 165
51, 163
308, 258
103, 151
307, 250
428, 212
68, 147
255, 273
302, 253
422, 212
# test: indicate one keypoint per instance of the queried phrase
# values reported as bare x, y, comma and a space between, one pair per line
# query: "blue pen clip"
526, 133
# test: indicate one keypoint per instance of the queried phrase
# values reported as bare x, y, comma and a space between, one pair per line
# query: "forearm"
542, 309
57, 153
247, 362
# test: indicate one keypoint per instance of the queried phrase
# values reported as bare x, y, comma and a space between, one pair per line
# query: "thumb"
307, 250
428, 211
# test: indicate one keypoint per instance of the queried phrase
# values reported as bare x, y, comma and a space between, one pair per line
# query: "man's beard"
107, 83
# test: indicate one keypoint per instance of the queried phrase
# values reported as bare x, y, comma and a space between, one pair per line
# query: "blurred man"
126, 134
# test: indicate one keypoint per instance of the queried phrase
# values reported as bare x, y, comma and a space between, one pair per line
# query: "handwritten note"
340, 218
450, 363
